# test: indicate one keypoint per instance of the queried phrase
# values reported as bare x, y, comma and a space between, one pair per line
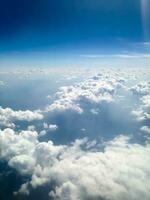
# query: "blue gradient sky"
74, 32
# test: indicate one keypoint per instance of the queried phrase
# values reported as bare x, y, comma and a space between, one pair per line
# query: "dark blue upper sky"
73, 26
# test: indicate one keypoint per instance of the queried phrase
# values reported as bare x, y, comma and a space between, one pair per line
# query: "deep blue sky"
72, 27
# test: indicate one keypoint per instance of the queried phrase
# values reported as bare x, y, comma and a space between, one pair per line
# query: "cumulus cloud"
145, 129
95, 90
142, 113
50, 127
31, 128
95, 175
81, 170
146, 101
9, 116
13, 143
141, 89
84, 169
23, 189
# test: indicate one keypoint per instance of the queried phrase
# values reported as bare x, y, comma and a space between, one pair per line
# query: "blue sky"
62, 31
74, 99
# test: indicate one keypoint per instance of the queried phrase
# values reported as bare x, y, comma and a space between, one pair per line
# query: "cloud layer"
81, 170
84, 168
8, 116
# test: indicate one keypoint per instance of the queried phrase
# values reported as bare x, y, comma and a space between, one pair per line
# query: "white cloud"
23, 163
9, 116
95, 90
83, 169
115, 174
31, 128
121, 171
142, 88
23, 189
42, 133
130, 55
145, 129
146, 101
13, 143
50, 127
95, 111
142, 113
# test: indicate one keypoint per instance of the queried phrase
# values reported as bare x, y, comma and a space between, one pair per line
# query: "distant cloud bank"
84, 168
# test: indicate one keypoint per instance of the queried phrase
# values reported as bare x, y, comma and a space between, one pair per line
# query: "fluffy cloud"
95, 90
81, 170
9, 116
145, 129
95, 175
142, 88
48, 128
142, 113
146, 101
13, 143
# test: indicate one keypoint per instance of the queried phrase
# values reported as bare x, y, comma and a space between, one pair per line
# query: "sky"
74, 99
74, 32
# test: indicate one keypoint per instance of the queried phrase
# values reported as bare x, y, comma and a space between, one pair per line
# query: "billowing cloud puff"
9, 116
145, 129
94, 90
141, 89
81, 170
48, 128
23, 163
146, 101
142, 113
12, 143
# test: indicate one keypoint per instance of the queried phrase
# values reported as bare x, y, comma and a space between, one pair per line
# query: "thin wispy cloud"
134, 55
